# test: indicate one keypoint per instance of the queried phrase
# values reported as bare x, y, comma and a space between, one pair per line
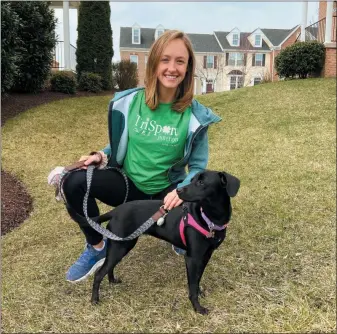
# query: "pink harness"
191, 222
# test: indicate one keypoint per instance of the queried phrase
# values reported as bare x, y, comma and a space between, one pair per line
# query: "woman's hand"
89, 159
172, 200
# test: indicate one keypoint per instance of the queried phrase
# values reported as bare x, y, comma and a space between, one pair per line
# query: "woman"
154, 134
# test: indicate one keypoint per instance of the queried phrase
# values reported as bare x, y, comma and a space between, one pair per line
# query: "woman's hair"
185, 89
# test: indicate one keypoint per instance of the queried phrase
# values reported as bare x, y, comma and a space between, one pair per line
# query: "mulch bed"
16, 203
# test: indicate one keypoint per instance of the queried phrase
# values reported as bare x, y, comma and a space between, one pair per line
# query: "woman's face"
172, 66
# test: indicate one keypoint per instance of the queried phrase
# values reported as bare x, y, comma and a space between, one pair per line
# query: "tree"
125, 75
94, 43
9, 38
34, 44
210, 73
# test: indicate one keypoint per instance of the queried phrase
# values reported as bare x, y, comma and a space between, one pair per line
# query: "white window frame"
136, 62
238, 39
260, 60
210, 62
159, 32
236, 59
259, 78
236, 81
260, 43
134, 35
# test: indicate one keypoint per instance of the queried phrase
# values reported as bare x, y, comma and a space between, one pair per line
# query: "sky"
198, 17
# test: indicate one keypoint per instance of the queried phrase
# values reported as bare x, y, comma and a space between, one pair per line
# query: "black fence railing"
58, 59
316, 31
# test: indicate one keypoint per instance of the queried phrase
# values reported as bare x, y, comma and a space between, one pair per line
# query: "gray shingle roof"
200, 42
276, 36
146, 38
244, 43
205, 42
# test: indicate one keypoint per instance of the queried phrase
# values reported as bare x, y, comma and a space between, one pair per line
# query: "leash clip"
161, 220
210, 234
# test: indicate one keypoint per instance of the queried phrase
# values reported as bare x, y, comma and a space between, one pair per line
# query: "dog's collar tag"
210, 234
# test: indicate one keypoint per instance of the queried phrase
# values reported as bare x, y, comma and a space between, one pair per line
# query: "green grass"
274, 273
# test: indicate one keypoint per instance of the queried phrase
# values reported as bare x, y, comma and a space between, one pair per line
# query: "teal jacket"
196, 147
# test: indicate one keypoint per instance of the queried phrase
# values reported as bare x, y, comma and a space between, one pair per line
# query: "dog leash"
157, 217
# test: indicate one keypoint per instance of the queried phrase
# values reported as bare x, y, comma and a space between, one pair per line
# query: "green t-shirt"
156, 141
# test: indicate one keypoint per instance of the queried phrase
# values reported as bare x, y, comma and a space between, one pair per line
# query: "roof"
146, 38
244, 43
205, 42
276, 36
200, 42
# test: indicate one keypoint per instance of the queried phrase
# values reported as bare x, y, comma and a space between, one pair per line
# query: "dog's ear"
231, 183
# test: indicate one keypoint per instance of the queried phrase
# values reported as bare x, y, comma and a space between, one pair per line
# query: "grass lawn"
274, 273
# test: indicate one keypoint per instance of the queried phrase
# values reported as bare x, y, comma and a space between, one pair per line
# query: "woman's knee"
74, 182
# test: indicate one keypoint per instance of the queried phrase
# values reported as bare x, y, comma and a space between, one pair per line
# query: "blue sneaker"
88, 262
178, 251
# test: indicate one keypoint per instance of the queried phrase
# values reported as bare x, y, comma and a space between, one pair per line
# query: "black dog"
206, 198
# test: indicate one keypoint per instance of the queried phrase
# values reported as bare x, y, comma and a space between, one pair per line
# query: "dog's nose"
180, 190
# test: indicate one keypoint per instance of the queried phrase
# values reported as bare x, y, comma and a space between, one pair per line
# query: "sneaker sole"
175, 252
92, 270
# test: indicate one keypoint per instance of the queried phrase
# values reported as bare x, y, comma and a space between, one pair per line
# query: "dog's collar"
210, 224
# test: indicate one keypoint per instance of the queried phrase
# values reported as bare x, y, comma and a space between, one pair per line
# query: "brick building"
224, 60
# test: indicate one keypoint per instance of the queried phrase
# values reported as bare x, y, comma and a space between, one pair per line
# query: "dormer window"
258, 40
235, 41
135, 35
159, 31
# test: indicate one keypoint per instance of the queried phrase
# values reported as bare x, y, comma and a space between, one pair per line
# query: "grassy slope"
275, 272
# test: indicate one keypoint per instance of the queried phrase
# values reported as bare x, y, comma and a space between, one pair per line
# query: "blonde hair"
184, 94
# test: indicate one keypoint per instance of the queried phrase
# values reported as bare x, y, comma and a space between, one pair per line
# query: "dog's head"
209, 185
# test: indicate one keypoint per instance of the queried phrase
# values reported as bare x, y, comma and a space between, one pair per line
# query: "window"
236, 59
136, 36
258, 59
258, 41
210, 62
159, 33
134, 59
236, 81
236, 39
257, 81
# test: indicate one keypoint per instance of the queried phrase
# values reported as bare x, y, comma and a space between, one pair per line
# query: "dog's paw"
202, 310
115, 281
94, 301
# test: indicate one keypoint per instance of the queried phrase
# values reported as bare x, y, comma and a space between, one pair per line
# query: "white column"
66, 35
203, 86
304, 20
328, 23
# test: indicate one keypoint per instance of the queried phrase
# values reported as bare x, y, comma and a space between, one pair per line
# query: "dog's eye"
200, 183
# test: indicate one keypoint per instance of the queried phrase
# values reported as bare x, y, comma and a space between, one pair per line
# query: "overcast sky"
198, 17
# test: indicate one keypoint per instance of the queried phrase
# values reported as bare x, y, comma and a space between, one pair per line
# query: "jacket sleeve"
107, 150
198, 159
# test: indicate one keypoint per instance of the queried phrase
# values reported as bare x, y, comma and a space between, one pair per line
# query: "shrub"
300, 59
9, 38
64, 82
94, 43
125, 75
266, 78
36, 44
90, 82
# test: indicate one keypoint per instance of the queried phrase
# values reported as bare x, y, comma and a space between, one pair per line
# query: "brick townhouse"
224, 60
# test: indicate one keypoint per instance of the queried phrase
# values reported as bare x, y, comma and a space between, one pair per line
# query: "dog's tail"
82, 220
